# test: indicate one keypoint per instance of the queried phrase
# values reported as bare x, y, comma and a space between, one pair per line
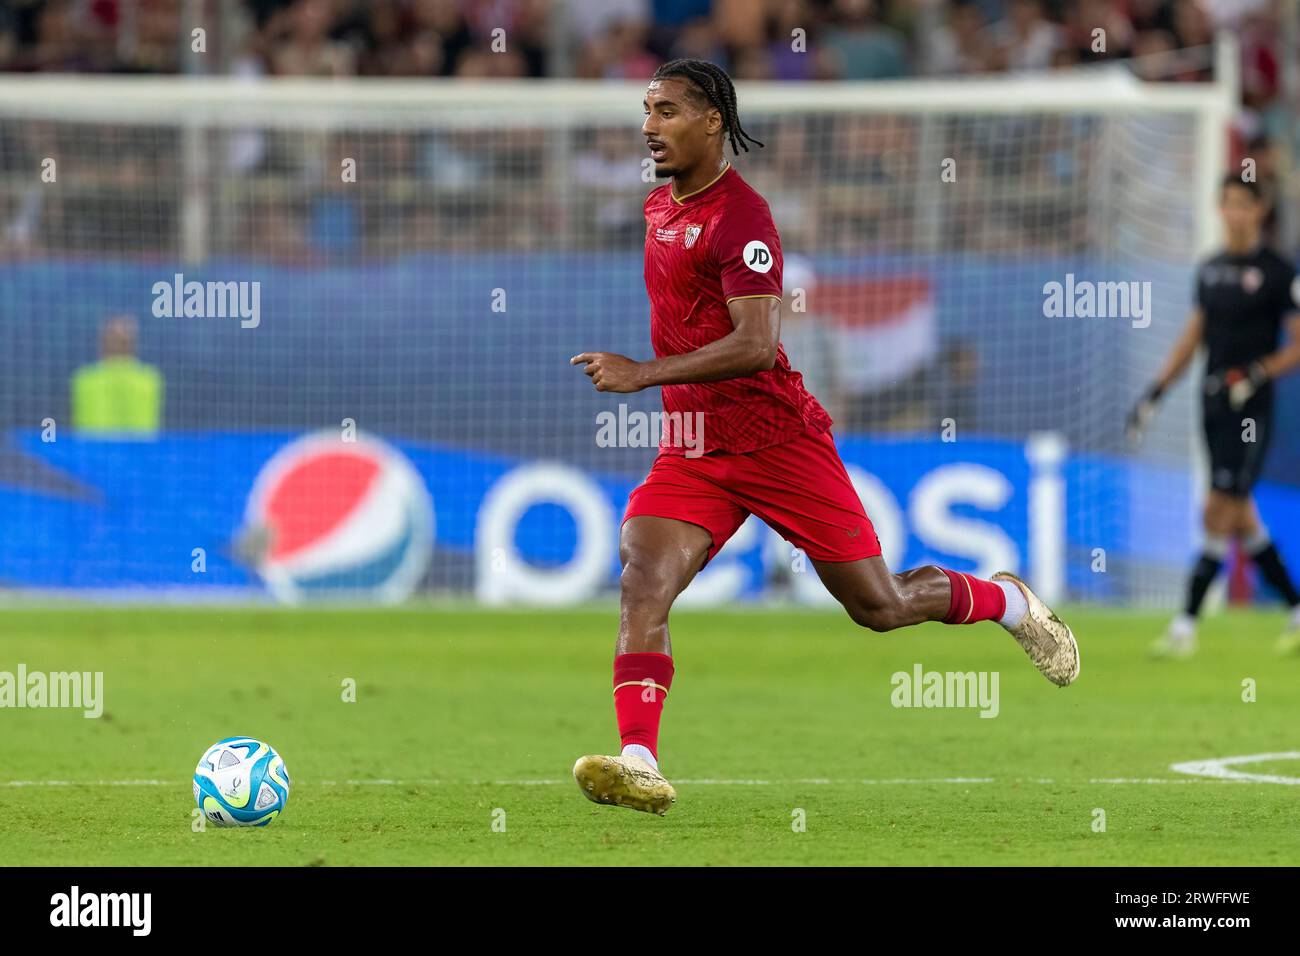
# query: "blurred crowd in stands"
754, 39
483, 181
627, 39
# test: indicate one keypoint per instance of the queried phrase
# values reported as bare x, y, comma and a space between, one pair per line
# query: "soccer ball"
241, 782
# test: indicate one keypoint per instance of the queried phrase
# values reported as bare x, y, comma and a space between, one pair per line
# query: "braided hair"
716, 87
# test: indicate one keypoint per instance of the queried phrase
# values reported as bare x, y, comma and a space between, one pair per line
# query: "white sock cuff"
638, 750
1017, 606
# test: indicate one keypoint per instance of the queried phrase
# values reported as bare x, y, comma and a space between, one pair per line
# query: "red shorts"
799, 488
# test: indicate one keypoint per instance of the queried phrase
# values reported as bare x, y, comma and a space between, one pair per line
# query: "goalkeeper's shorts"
799, 488
1237, 441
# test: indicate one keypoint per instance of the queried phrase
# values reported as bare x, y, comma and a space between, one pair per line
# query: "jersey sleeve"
748, 252
1198, 294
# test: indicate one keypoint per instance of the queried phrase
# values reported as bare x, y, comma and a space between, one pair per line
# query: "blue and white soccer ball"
241, 782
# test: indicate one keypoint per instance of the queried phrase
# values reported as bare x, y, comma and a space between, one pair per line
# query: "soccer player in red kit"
713, 274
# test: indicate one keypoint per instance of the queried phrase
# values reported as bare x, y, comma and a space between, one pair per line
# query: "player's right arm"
1183, 352
1180, 356
750, 347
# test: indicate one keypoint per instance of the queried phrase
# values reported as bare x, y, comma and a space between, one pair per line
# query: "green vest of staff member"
119, 394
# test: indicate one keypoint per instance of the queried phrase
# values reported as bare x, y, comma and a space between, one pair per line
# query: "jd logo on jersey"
757, 256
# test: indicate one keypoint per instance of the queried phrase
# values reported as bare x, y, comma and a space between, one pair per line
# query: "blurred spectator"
519, 25
961, 45
806, 60
438, 23
388, 50
1191, 24
1024, 40
306, 48
63, 41
119, 394
1155, 54
1098, 30
752, 64
591, 19
863, 48
740, 23
699, 40
622, 52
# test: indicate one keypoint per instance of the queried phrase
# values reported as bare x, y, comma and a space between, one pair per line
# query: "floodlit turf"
466, 718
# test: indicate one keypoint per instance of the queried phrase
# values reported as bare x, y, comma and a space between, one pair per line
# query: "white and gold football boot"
1049, 643
624, 782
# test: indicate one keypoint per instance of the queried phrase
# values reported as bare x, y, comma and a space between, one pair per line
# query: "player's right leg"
660, 557
1220, 520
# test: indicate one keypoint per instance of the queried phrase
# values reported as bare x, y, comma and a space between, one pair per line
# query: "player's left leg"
1259, 547
880, 600
803, 491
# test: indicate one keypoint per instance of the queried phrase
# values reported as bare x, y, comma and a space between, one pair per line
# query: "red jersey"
701, 251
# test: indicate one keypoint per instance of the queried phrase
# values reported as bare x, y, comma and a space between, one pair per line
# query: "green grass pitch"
466, 718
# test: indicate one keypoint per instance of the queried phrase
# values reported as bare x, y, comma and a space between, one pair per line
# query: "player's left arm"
1286, 359
1243, 383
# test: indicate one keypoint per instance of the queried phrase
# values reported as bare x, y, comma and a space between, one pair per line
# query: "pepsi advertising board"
303, 517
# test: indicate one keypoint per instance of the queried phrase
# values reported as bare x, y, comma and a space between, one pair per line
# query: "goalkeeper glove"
1242, 384
1142, 413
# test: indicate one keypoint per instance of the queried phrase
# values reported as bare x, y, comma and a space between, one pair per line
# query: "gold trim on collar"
695, 192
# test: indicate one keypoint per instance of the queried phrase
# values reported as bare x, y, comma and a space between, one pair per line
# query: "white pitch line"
1221, 768
90, 783
708, 782
1169, 780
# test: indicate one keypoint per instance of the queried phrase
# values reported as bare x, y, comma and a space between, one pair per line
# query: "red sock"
641, 683
973, 600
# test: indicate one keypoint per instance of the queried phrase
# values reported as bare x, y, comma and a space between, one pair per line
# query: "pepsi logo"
334, 520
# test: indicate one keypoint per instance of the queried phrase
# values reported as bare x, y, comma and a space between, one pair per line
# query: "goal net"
312, 339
